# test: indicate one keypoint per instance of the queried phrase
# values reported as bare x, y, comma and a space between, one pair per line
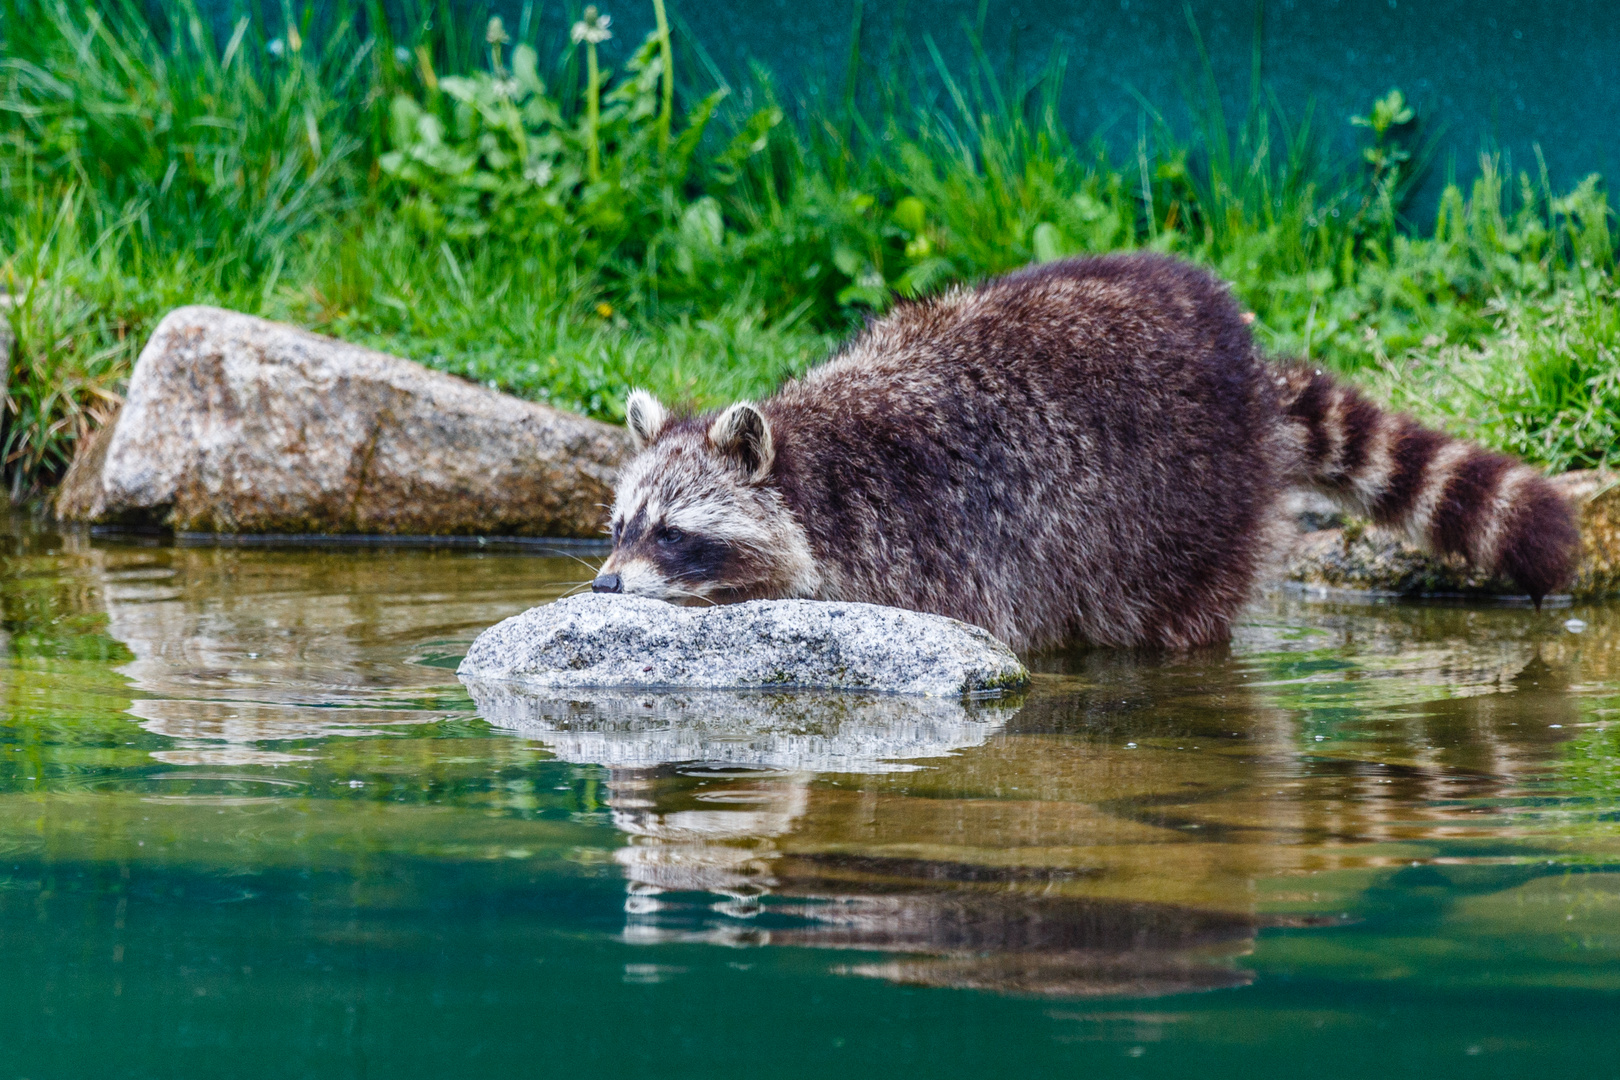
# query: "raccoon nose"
607, 583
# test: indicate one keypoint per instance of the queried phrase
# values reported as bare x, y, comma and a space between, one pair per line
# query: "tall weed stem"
666, 109
592, 29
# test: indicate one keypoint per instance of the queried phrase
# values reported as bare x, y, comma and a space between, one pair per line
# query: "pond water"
251, 825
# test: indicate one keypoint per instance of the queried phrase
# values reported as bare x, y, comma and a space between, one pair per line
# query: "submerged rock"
629, 641
1362, 557
236, 424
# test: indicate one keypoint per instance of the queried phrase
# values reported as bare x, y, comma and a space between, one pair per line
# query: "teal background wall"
1500, 74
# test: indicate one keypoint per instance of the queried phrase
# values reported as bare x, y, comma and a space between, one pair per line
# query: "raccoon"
1092, 450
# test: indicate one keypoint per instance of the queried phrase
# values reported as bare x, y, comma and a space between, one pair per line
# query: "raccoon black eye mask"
1088, 450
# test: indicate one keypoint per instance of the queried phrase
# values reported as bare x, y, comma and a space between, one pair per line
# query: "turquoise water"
251, 825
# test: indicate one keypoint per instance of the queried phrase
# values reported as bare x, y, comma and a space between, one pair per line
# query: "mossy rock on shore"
1361, 557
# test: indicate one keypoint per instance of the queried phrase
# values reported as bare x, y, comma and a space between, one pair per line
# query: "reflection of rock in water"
310, 626
711, 787
227, 732
803, 731
290, 646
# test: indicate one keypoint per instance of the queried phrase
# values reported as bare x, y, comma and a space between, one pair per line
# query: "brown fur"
1086, 450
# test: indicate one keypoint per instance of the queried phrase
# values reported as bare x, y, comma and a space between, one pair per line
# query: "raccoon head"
697, 519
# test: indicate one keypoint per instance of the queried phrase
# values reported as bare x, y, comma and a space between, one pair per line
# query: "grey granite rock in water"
801, 731
628, 641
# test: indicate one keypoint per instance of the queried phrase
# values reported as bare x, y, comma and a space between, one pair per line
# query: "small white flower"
538, 174
506, 88
402, 54
276, 47
495, 32
592, 28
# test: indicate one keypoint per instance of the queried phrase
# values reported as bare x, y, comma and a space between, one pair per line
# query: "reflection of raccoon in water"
1090, 449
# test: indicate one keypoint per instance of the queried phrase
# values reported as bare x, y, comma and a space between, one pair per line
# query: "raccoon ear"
645, 418
743, 434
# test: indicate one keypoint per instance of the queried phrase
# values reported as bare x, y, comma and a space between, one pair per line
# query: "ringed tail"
1446, 495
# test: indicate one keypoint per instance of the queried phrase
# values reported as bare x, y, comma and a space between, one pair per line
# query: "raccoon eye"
669, 537
618, 531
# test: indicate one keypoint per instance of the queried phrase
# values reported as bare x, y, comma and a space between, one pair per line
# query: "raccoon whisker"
582, 562
695, 596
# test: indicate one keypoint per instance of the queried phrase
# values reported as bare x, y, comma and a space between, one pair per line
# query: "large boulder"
631, 641
236, 424
1337, 554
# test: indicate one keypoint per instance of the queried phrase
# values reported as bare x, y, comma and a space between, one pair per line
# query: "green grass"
1545, 385
449, 194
